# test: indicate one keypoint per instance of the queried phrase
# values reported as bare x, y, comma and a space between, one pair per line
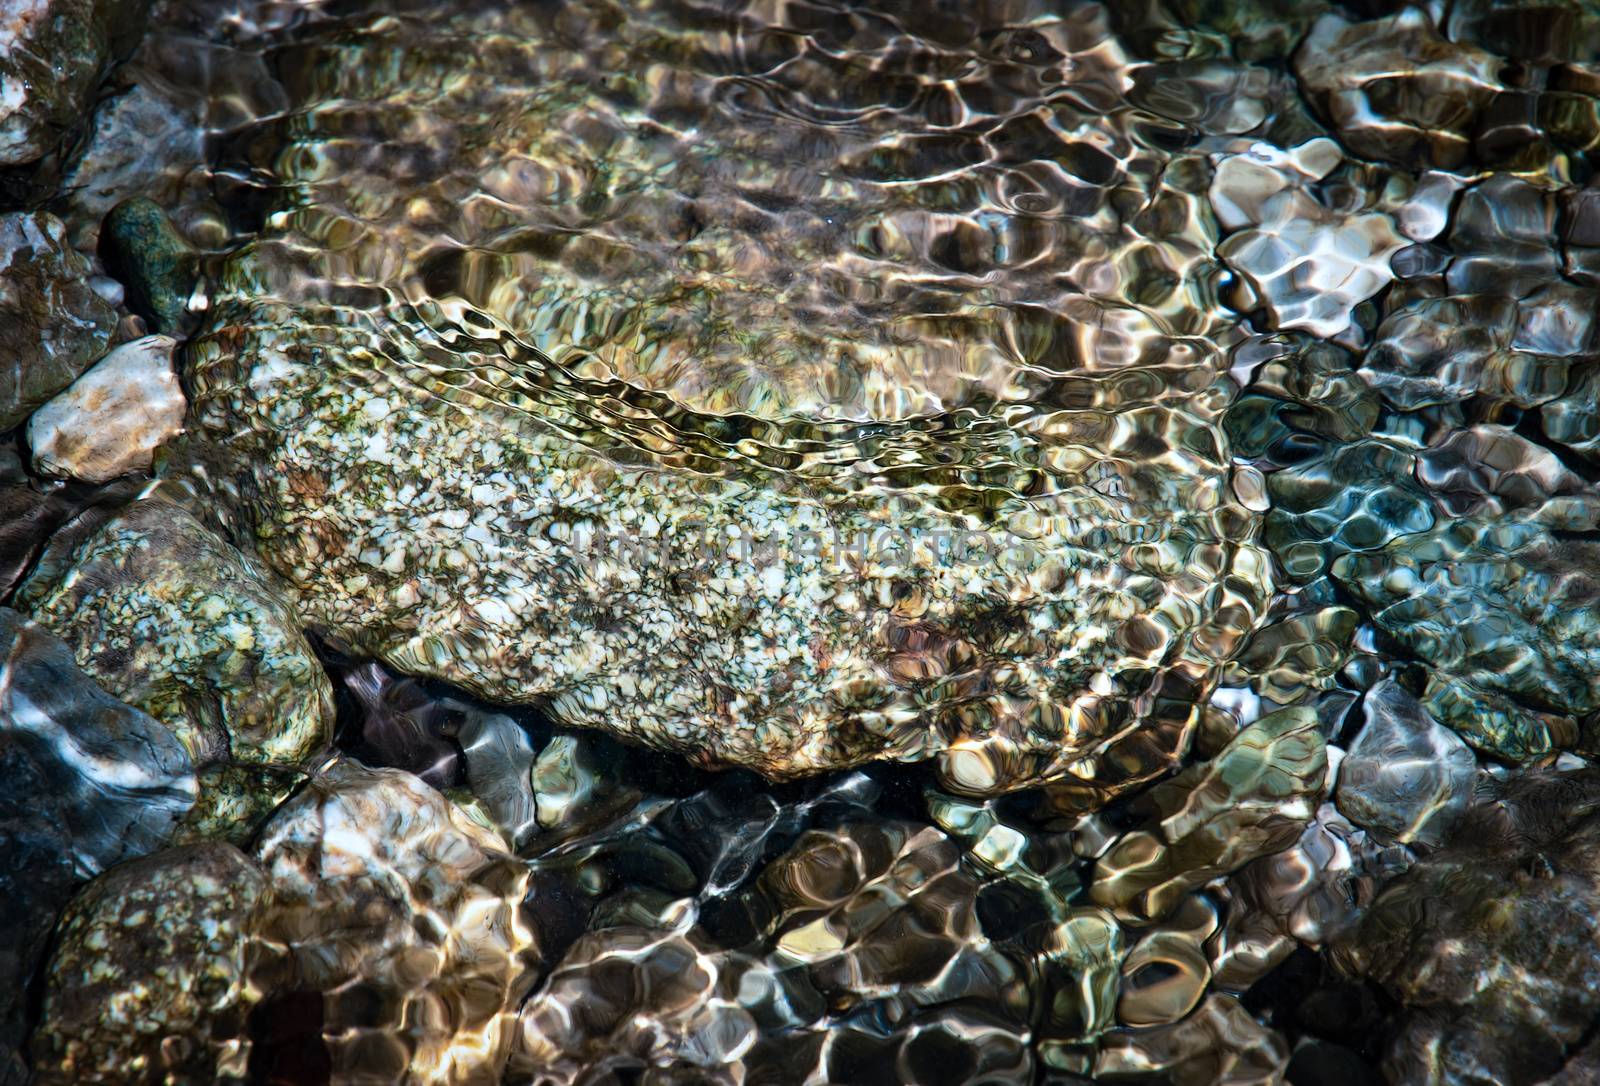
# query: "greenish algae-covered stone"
176, 622
157, 266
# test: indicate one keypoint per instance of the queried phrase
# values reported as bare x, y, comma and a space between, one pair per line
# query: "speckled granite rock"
632, 481
52, 53
110, 421
170, 617
52, 326
85, 782
148, 985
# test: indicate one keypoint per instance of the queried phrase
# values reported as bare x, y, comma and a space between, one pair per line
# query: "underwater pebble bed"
816, 542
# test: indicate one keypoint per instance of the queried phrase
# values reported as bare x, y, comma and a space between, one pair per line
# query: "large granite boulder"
683, 448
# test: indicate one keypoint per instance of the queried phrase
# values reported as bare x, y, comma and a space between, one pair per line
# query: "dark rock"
400, 726
158, 130
1321, 1063
29, 520
85, 781
52, 325
1405, 777
144, 250
148, 983
1395, 89
1493, 944
52, 54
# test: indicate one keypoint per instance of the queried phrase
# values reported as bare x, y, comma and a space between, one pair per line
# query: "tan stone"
113, 418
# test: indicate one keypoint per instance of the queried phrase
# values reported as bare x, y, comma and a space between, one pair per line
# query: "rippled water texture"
794, 542
792, 298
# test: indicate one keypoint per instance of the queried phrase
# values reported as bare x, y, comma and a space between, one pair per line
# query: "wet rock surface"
755, 562
52, 53
52, 324
85, 782
955, 543
142, 248
170, 617
111, 420
167, 1006
1491, 944
402, 918
1405, 778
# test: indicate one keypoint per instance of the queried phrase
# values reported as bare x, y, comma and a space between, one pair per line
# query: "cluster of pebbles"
958, 543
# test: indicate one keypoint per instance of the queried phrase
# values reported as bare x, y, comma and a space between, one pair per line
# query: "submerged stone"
1252, 799
85, 782
31, 519
155, 133
1395, 89
500, 772
52, 325
1491, 944
113, 418
149, 984
170, 617
52, 53
1404, 778
877, 916
381, 887
1307, 263
1504, 613
603, 457
1221, 1043
144, 250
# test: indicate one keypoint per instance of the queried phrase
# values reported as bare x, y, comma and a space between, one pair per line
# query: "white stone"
111, 420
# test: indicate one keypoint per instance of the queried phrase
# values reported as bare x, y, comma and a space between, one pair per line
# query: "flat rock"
113, 418
52, 325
